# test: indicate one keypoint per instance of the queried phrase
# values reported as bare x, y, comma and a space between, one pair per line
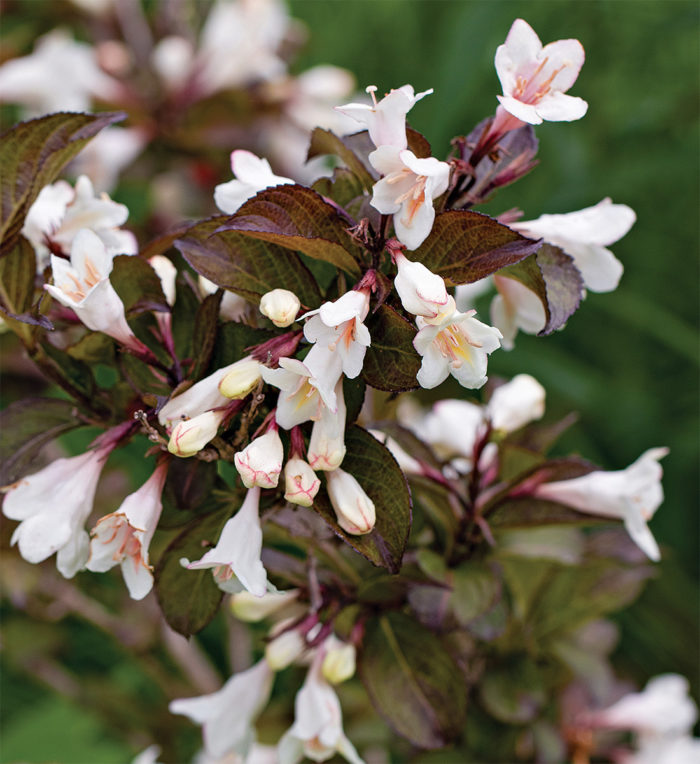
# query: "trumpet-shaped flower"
385, 120
123, 537
300, 482
341, 339
59, 212
353, 508
260, 462
280, 306
327, 444
422, 292
535, 78
317, 732
83, 285
236, 557
407, 191
458, 345
632, 495
53, 505
191, 435
516, 307
585, 235
253, 174
241, 379
228, 715
167, 273
516, 403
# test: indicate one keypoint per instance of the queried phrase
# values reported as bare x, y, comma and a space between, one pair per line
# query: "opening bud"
300, 483
280, 306
353, 508
339, 663
285, 648
249, 608
242, 378
260, 462
190, 436
422, 292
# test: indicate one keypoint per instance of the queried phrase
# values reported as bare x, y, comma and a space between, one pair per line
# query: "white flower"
233, 307
300, 482
83, 285
633, 495
516, 307
327, 444
173, 58
353, 508
407, 191
458, 345
241, 379
53, 505
386, 120
124, 536
422, 292
247, 607
450, 427
191, 435
237, 554
60, 75
108, 153
167, 273
534, 79
341, 339
339, 660
585, 235
227, 716
260, 462
280, 306
148, 755
252, 175
516, 403
285, 645
317, 731
302, 396
59, 212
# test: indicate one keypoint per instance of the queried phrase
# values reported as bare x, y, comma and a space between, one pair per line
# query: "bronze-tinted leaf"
391, 362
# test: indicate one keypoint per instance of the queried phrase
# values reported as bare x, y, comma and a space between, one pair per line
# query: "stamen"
372, 89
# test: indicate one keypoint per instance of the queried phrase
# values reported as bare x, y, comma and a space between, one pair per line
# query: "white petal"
641, 535
434, 369
523, 111
558, 107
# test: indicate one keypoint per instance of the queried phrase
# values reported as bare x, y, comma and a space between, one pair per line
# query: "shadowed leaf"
391, 362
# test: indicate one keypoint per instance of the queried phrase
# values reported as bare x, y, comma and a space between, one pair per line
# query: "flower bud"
280, 306
339, 663
242, 378
422, 292
249, 608
260, 462
353, 508
281, 651
190, 436
327, 444
301, 484
516, 403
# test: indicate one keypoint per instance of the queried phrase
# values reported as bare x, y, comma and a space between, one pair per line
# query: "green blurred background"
627, 362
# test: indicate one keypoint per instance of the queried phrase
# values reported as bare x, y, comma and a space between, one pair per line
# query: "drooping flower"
407, 191
260, 462
585, 235
632, 495
514, 308
253, 174
189, 436
167, 273
386, 120
53, 505
353, 508
123, 537
236, 557
83, 285
59, 212
535, 78
227, 716
317, 731
247, 607
422, 292
301, 484
327, 444
459, 345
280, 306
341, 339
516, 403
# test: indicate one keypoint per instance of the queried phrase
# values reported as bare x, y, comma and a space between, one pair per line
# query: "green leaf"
354, 396
232, 341
553, 277
466, 246
205, 324
475, 590
164, 242
327, 142
378, 473
187, 489
137, 285
26, 426
189, 599
513, 693
17, 274
412, 681
183, 312
32, 154
391, 361
344, 187
93, 347
244, 265
76, 373
528, 512
297, 218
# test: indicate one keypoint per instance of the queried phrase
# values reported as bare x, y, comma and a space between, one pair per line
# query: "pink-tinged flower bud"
190, 437
260, 462
280, 306
301, 484
353, 508
241, 379
339, 662
247, 607
282, 650
422, 292
327, 444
